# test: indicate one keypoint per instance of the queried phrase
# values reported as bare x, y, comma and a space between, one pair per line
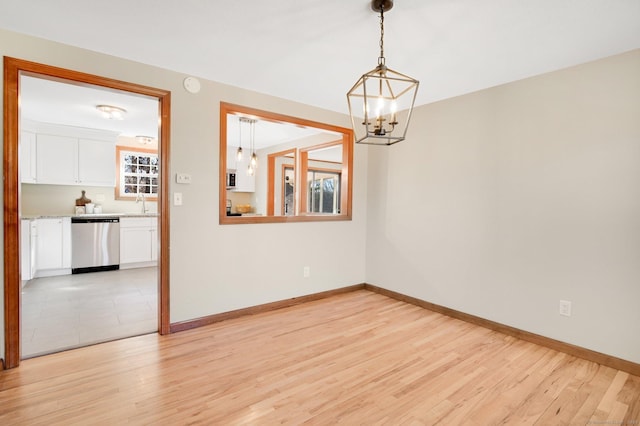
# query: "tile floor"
70, 311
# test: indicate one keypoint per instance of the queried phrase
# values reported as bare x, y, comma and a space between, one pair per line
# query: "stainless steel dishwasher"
95, 244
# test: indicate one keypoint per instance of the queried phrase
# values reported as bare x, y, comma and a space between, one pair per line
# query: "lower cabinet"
52, 246
138, 242
27, 250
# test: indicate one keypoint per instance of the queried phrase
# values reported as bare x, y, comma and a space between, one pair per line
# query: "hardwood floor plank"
354, 358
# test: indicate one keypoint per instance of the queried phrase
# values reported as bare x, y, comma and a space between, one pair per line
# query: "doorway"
14, 68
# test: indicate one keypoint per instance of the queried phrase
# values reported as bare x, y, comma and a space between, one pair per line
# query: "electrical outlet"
565, 308
306, 272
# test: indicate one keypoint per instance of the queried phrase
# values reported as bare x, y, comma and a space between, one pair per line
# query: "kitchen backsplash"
60, 199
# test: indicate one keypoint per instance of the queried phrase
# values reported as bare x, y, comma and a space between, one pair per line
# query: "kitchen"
89, 240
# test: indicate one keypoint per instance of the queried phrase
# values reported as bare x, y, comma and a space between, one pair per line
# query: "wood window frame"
346, 141
345, 179
119, 195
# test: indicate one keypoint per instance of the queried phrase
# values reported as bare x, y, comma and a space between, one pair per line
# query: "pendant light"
381, 101
253, 160
239, 151
254, 157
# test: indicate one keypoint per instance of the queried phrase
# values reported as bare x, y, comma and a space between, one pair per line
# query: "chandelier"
381, 101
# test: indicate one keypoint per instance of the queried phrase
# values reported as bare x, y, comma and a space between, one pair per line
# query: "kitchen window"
137, 173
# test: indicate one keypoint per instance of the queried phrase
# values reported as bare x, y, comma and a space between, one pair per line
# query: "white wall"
218, 268
502, 202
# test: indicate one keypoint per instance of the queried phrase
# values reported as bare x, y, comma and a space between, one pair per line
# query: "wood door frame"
13, 68
271, 172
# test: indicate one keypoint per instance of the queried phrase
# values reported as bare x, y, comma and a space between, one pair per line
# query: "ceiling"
313, 51
48, 101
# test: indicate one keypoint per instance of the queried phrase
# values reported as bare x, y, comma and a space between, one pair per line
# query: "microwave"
231, 180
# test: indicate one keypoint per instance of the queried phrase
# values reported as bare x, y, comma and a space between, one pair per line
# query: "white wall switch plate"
177, 198
183, 178
306, 272
565, 308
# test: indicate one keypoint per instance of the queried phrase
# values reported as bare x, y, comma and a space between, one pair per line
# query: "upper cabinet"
27, 157
68, 156
56, 160
96, 160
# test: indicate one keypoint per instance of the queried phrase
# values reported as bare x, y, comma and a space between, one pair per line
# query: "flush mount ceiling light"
145, 140
111, 112
381, 101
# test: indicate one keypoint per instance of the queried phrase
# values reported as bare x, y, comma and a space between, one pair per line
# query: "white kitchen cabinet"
66, 160
56, 159
53, 246
27, 259
96, 163
27, 157
138, 242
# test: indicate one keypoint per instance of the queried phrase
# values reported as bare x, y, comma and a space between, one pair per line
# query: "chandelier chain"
381, 59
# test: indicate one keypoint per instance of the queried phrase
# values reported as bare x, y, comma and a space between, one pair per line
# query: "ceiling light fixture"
145, 140
253, 161
388, 92
111, 112
239, 151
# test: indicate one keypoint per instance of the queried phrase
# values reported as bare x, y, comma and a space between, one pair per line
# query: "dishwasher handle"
95, 220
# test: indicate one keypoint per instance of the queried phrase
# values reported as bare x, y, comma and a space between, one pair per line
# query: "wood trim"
271, 190
11, 196
347, 175
346, 181
347, 170
164, 203
119, 149
302, 190
222, 181
271, 178
577, 351
13, 68
211, 319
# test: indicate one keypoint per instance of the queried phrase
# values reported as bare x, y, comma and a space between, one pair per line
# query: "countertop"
53, 216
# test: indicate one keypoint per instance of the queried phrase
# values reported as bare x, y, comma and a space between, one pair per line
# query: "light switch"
183, 178
177, 198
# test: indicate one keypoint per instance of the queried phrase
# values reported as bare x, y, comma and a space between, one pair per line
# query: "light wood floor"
355, 358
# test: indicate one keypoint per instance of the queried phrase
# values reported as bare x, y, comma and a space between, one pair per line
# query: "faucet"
139, 197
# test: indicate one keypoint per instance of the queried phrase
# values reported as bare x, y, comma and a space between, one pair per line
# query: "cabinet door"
27, 157
135, 245
66, 242
96, 163
56, 159
49, 244
25, 249
154, 242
